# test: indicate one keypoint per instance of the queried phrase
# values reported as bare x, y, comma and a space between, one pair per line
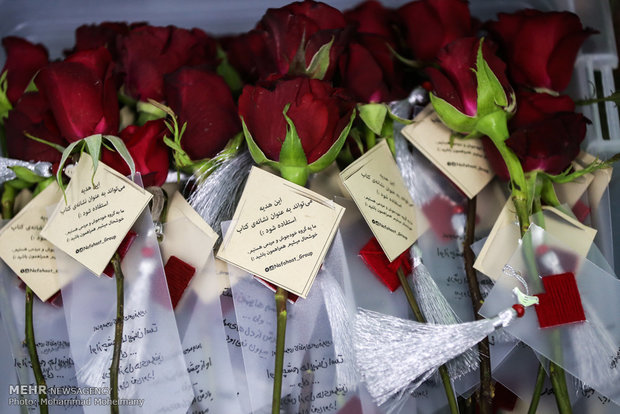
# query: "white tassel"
395, 355
216, 195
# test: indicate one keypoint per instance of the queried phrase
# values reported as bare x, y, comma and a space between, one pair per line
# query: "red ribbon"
372, 254
178, 275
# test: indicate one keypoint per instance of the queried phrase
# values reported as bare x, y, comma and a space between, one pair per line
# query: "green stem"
118, 331
540, 381
486, 382
8, 201
281, 298
443, 370
32, 351
614, 97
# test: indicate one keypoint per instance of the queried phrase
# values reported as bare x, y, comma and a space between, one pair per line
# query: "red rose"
319, 112
541, 47
148, 53
94, 36
369, 71
303, 26
147, 148
33, 116
532, 107
372, 18
550, 144
81, 94
23, 61
250, 55
456, 82
204, 101
432, 24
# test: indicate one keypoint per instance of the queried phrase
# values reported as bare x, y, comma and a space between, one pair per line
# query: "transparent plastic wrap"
52, 346
199, 319
318, 366
152, 374
587, 350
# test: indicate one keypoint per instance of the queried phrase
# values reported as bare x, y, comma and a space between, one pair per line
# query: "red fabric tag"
439, 212
178, 275
561, 302
378, 263
581, 210
122, 250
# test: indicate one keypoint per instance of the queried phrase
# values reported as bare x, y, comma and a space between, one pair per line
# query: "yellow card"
464, 162
280, 232
22, 248
98, 213
504, 238
375, 184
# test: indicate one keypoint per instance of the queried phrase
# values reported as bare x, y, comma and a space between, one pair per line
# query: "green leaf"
228, 72
57, 147
293, 161
93, 143
5, 105
452, 117
32, 87
416, 64
320, 61
42, 185
258, 155
153, 108
120, 147
326, 159
65, 156
373, 115
26, 174
18, 184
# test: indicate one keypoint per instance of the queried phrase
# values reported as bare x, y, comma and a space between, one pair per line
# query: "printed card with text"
280, 232
29, 255
378, 189
464, 162
98, 212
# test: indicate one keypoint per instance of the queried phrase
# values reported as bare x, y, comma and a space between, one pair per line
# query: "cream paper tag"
377, 187
97, 214
464, 163
504, 238
600, 182
29, 255
280, 232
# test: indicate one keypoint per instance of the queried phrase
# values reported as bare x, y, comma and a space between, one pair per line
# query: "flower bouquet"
193, 218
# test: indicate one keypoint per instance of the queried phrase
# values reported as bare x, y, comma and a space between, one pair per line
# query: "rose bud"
23, 61
148, 151
369, 70
371, 17
541, 47
298, 31
204, 101
298, 126
432, 24
33, 116
532, 107
471, 84
81, 94
148, 53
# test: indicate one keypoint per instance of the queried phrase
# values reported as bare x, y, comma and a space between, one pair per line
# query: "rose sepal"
326, 159
452, 117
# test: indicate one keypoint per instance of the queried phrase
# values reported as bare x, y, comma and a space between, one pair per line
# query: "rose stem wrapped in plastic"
295, 149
